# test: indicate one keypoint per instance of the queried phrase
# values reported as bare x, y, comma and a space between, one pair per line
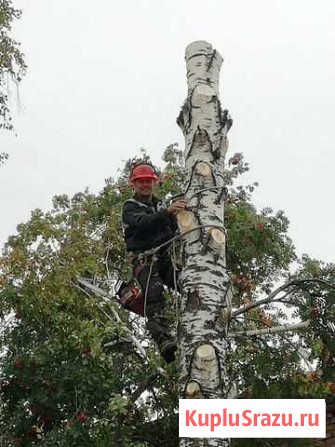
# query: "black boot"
157, 327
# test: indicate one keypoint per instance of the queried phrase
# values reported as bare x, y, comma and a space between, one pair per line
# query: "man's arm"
134, 216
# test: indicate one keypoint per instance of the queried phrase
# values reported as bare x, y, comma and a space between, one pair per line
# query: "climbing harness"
131, 295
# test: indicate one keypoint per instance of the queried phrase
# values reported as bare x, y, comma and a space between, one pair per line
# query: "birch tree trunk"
205, 284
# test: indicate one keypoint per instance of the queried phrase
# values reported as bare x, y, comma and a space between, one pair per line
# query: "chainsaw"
130, 295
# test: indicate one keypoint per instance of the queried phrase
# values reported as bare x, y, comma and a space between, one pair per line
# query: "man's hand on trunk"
177, 206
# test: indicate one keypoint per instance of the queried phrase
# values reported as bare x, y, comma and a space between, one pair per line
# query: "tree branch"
271, 330
144, 385
272, 297
96, 290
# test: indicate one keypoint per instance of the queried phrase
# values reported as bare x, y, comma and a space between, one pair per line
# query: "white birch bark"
204, 281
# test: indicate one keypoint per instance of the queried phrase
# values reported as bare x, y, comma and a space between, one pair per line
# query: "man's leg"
152, 284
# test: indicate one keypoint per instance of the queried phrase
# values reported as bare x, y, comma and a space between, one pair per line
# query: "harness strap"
137, 270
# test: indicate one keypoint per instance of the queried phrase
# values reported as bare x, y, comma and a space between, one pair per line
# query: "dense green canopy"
71, 373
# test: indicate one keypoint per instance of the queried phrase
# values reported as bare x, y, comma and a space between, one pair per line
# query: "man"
147, 225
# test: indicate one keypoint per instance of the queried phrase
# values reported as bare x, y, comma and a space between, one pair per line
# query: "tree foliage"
72, 373
12, 64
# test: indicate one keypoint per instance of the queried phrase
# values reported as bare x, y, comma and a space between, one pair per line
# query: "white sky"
106, 78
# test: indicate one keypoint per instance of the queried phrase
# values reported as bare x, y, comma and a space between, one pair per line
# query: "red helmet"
143, 171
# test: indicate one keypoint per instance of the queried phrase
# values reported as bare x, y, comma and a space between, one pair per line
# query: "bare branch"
272, 330
272, 297
143, 386
302, 354
95, 289
106, 295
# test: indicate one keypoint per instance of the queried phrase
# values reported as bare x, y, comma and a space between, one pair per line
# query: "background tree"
78, 370
12, 64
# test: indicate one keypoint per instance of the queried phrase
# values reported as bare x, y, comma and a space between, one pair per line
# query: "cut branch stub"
193, 390
217, 239
205, 353
185, 221
205, 365
202, 94
203, 169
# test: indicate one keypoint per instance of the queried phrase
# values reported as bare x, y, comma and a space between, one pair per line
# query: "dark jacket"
146, 225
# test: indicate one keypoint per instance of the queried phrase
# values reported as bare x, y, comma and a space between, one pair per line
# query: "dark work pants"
162, 273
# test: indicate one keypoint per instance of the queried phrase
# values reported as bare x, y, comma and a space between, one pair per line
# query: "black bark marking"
193, 301
183, 256
211, 60
209, 81
215, 264
197, 216
192, 144
180, 120
221, 196
228, 287
196, 55
199, 269
193, 243
213, 286
204, 247
210, 324
189, 109
226, 120
217, 321
184, 119
217, 255
199, 139
215, 219
216, 153
199, 204
214, 178
184, 333
221, 384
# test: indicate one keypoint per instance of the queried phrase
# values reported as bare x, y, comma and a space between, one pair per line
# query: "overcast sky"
109, 77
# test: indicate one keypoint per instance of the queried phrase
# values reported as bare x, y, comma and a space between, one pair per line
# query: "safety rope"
152, 253
174, 265
210, 188
147, 288
178, 236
